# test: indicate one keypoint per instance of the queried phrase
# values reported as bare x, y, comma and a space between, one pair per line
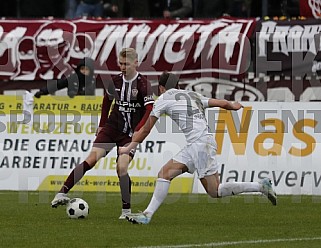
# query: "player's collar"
131, 80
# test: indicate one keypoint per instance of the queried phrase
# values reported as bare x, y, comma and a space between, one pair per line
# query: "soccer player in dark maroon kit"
133, 101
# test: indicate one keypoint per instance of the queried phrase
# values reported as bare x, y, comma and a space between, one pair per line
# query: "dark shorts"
108, 138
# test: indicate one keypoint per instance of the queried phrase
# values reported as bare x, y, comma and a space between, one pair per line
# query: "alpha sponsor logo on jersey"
148, 98
128, 107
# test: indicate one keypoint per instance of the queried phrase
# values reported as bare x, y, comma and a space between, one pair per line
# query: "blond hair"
129, 53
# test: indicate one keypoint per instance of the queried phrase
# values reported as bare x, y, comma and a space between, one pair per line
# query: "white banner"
281, 141
276, 140
38, 153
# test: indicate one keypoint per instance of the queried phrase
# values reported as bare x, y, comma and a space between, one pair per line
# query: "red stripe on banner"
50, 49
310, 8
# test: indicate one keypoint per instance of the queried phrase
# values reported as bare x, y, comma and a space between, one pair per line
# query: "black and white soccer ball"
77, 208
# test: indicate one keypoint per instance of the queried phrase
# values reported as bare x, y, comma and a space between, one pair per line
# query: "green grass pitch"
184, 220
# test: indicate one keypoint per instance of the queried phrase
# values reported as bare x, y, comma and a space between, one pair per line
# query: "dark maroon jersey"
129, 103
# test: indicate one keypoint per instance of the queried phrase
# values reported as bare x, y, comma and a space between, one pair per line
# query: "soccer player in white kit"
186, 109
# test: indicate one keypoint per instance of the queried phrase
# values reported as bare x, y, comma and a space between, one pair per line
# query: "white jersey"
186, 108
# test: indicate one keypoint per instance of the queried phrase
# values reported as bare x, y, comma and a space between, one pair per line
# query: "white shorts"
200, 157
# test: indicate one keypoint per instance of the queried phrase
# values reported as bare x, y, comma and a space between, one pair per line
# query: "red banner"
48, 49
288, 48
310, 8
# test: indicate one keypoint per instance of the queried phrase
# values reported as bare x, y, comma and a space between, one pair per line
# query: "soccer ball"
77, 208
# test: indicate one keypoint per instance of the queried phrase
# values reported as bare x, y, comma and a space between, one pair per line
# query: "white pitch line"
230, 243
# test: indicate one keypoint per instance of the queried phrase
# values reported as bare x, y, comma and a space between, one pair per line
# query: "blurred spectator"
131, 8
156, 8
90, 8
81, 82
275, 8
41, 8
210, 8
293, 8
256, 8
237, 8
110, 9
177, 8
71, 7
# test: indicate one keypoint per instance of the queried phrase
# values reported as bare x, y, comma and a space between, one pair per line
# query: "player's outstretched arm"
140, 135
224, 104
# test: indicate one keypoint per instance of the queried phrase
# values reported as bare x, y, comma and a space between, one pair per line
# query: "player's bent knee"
122, 170
121, 173
162, 174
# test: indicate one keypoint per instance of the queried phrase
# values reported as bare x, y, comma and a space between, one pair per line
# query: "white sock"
160, 193
234, 188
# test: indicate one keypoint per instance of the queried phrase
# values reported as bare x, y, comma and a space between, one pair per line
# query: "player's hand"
128, 149
38, 94
124, 150
166, 14
237, 106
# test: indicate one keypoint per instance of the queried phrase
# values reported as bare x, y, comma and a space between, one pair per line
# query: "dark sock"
73, 178
125, 189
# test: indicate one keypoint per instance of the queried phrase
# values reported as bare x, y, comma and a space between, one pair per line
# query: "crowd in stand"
179, 8
149, 8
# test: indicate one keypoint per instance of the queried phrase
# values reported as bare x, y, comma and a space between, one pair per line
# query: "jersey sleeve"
148, 109
159, 108
148, 93
204, 100
107, 102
